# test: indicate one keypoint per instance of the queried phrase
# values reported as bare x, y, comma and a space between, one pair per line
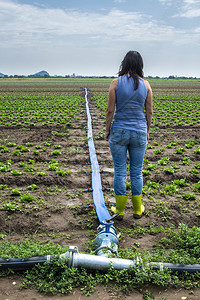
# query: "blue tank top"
129, 110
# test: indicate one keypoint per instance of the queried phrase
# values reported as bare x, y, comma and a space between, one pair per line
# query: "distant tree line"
80, 76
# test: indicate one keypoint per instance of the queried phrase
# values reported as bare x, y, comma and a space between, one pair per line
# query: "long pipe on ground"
107, 238
99, 203
24, 263
75, 259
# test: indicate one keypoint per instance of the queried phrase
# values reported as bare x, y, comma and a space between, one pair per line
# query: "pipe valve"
106, 241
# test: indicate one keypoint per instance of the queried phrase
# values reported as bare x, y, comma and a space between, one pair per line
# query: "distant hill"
2, 75
42, 74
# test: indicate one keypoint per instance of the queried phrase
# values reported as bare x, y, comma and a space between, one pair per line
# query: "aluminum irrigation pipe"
75, 259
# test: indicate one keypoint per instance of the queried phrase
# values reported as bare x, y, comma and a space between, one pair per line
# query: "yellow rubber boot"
137, 206
120, 206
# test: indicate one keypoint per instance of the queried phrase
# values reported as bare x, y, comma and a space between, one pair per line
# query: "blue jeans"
121, 140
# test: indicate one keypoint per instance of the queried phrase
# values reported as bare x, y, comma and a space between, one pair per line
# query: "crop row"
170, 113
40, 110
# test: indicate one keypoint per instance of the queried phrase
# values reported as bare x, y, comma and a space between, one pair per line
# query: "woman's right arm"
111, 107
148, 107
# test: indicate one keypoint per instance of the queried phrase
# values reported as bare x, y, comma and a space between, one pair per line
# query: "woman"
130, 97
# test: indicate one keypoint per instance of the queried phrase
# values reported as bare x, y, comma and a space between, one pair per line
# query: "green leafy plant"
57, 146
58, 133
148, 295
62, 172
158, 151
194, 171
197, 151
15, 192
25, 149
171, 189
189, 196
74, 150
36, 152
190, 144
186, 161
153, 184
4, 167
168, 171
53, 167
179, 150
162, 210
47, 144
10, 144
9, 206
128, 185
56, 152
163, 161
180, 182
4, 149
197, 166
31, 161
28, 168
152, 166
41, 174
174, 166
145, 172
16, 152
100, 135
16, 172
32, 187
197, 185
21, 164
26, 198
3, 186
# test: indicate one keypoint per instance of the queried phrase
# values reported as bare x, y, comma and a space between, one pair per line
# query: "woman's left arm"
111, 107
148, 107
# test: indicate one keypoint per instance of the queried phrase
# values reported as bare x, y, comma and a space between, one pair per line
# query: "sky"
91, 37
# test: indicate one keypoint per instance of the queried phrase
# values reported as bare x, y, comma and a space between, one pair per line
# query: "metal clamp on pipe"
106, 241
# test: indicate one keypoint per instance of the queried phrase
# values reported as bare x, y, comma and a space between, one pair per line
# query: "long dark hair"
132, 64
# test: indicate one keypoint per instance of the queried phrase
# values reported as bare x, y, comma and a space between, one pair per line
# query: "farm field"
45, 187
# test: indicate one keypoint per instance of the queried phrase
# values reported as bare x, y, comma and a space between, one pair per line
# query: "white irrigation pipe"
99, 203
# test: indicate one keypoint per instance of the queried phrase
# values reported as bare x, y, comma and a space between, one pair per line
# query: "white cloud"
189, 9
119, 1
27, 24
63, 41
191, 1
166, 2
33, 26
186, 8
191, 13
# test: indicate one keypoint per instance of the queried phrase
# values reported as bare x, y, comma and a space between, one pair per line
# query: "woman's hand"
147, 136
107, 133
